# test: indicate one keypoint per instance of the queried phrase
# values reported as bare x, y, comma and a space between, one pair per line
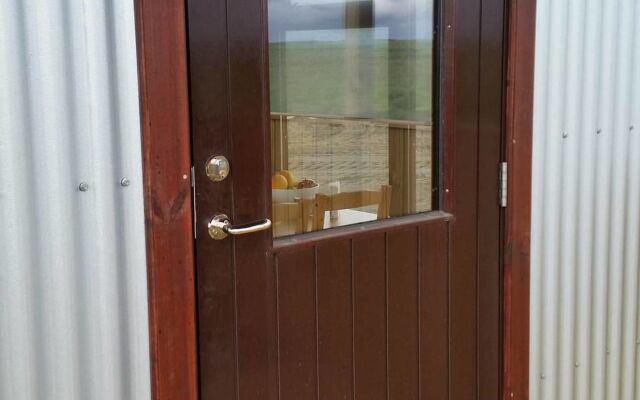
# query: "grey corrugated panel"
586, 201
73, 295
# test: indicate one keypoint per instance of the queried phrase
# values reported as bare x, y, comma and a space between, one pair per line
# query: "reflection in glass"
351, 102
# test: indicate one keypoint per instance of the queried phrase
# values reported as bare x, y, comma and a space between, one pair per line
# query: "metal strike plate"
217, 168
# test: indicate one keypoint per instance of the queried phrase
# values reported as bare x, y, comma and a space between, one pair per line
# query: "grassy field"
378, 80
385, 80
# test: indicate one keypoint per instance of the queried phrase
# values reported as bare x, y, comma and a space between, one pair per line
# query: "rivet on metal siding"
631, 127
125, 182
83, 187
577, 365
542, 377
565, 135
599, 131
448, 26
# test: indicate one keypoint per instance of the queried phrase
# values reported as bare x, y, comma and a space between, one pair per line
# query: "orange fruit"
287, 174
279, 182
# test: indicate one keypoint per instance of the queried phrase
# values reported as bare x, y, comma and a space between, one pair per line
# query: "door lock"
217, 168
220, 227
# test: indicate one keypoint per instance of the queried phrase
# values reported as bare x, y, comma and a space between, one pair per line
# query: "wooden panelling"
365, 317
472, 153
216, 276
335, 320
369, 317
250, 159
297, 330
434, 307
402, 314
464, 202
489, 212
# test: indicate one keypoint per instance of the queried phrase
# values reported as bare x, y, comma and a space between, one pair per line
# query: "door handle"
220, 227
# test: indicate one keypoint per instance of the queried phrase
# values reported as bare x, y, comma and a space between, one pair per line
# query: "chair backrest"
292, 218
347, 200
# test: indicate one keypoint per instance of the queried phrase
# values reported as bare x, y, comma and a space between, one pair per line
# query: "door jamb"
518, 151
164, 110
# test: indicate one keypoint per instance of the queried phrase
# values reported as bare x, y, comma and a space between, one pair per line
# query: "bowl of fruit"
286, 189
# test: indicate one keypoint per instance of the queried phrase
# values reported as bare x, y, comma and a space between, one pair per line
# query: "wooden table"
345, 217
348, 217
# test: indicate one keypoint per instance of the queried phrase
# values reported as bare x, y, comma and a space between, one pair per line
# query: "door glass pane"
351, 111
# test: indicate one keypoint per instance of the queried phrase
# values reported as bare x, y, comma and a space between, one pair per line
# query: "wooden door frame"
518, 153
162, 61
164, 109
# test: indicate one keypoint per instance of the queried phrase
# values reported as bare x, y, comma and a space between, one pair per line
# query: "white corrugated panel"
73, 295
586, 201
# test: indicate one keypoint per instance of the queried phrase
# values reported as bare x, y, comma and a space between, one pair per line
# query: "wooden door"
406, 307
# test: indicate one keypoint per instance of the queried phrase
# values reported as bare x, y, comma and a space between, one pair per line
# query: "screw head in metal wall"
83, 187
125, 182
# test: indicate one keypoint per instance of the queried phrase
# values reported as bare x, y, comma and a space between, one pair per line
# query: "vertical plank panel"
335, 321
402, 314
215, 272
255, 312
464, 201
434, 292
489, 237
369, 287
250, 157
296, 296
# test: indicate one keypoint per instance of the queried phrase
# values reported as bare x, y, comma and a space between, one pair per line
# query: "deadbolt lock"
217, 168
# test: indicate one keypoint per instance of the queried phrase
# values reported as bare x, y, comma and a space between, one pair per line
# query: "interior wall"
73, 292
586, 201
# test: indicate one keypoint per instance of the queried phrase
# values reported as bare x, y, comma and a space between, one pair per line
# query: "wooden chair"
292, 218
348, 200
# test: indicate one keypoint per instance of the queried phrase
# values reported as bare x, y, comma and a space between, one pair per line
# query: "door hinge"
503, 185
193, 199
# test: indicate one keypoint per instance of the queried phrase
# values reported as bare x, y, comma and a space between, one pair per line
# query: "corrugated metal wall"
586, 201
73, 296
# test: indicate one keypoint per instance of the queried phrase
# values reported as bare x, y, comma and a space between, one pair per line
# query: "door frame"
164, 111
518, 151
162, 62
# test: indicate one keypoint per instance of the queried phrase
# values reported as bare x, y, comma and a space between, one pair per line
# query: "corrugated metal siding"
73, 296
586, 201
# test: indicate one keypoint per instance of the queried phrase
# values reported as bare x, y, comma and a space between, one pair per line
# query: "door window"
351, 111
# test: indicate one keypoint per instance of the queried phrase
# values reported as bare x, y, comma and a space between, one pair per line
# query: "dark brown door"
369, 133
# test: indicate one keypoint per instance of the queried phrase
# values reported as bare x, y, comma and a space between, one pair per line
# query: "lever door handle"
220, 227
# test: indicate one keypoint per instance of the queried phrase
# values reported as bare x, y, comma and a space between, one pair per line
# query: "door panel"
354, 317
404, 307
296, 325
369, 316
434, 319
335, 319
403, 302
